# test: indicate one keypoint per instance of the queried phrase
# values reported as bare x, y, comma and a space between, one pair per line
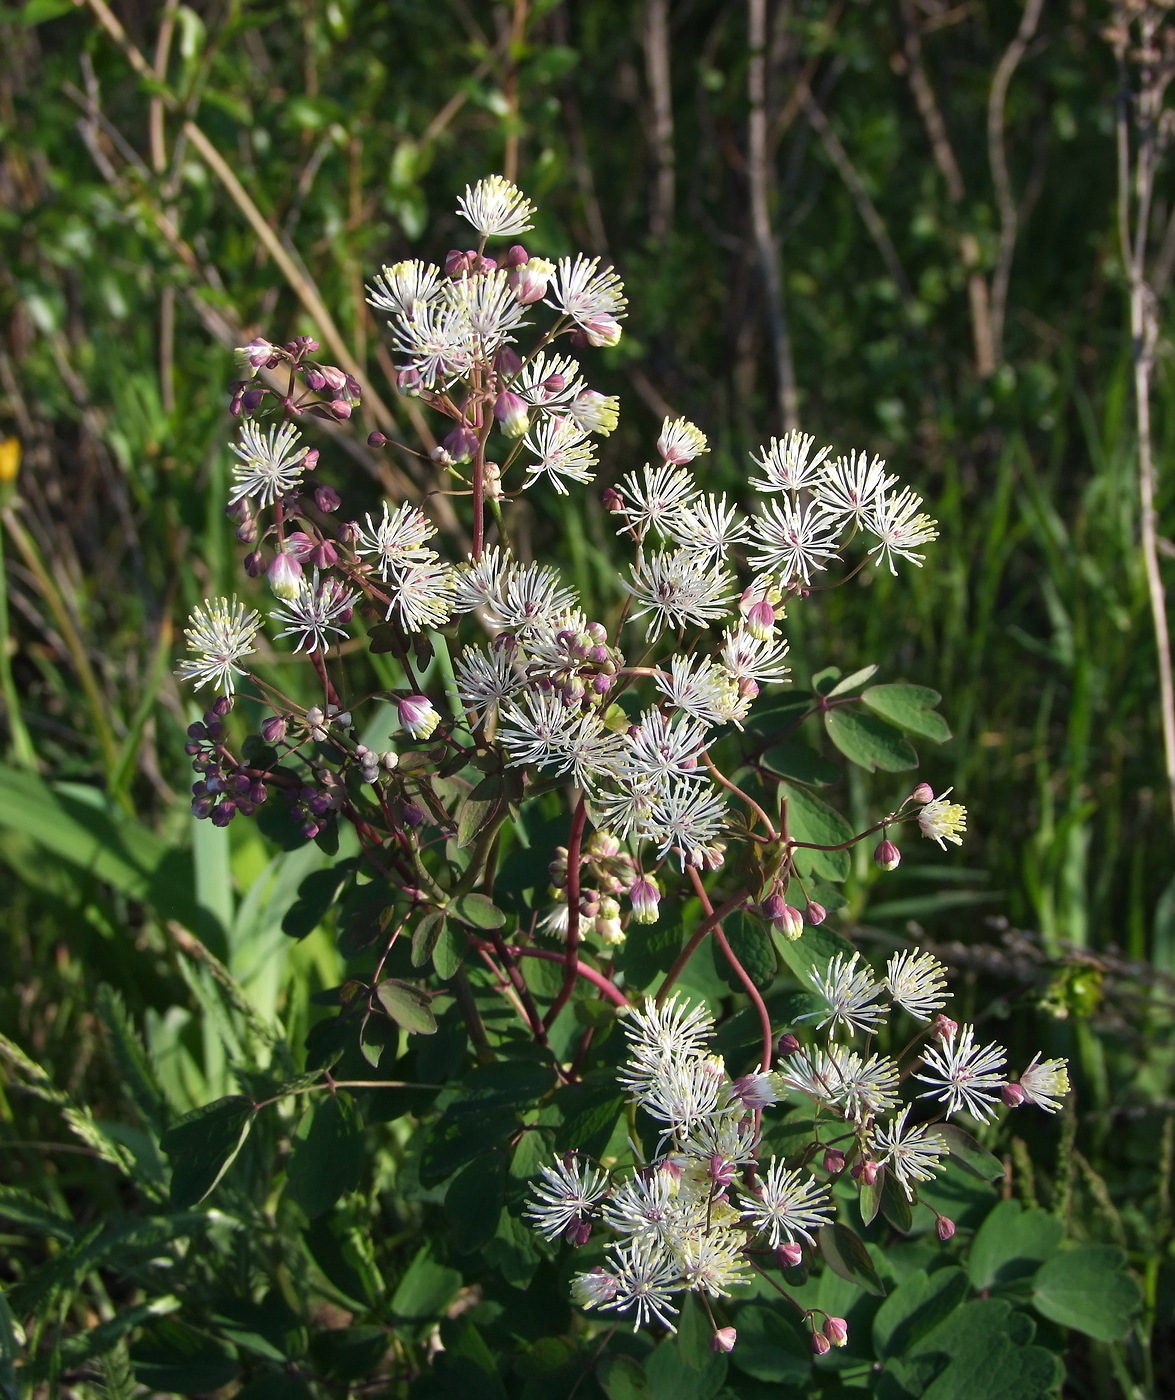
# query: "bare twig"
656, 42
759, 177
998, 156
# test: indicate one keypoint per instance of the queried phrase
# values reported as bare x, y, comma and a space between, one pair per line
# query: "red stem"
614, 994
736, 901
743, 975
571, 957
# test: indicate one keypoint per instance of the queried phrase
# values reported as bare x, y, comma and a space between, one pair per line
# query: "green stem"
23, 752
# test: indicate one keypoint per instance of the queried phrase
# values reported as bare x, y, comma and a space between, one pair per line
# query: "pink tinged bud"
273, 729
790, 1255
820, 1344
601, 330
722, 1170
922, 794
724, 1339
326, 498
836, 1329
887, 856
867, 1171
461, 444
815, 913
510, 411
315, 379
944, 1228
300, 545
417, 716
340, 408
578, 1232
759, 620
943, 1028
254, 563
834, 1161
755, 1090
324, 555
1013, 1095
612, 501
284, 576
785, 918
408, 382
456, 263
376, 439
646, 899
515, 257
247, 531
787, 1044
508, 361
251, 400
310, 459
334, 377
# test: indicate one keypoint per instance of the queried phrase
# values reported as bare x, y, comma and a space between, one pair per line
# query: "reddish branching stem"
740, 971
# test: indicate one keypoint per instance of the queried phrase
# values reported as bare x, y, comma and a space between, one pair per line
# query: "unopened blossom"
901, 528
787, 463
793, 540
681, 441
917, 983
284, 575
220, 631
269, 465
851, 486
321, 609
645, 898
418, 716
913, 1154
567, 1193
851, 996
787, 1205
595, 1288
943, 821
964, 1075
1045, 1083
496, 207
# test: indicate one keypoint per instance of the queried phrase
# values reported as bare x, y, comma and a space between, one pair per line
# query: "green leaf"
910, 707
813, 951
203, 1145
918, 1304
348, 1354
173, 1357
474, 1202
477, 910
795, 759
869, 1199
591, 1109
622, 1378
317, 894
513, 1251
449, 953
851, 682
42, 11
325, 1164
407, 1005
476, 813
26, 1210
809, 819
136, 1077
752, 946
978, 1161
425, 937
995, 1368
427, 1287
1011, 1244
269, 1328
869, 742
1087, 1288
894, 1204
845, 1254
671, 1375
771, 1347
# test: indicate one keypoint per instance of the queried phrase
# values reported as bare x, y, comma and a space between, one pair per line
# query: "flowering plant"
579, 803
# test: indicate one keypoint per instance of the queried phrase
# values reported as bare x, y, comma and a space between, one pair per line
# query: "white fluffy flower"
406, 287
660, 748
563, 451
917, 983
1045, 1083
851, 486
900, 527
786, 463
751, 658
567, 1192
912, 1154
851, 996
646, 1280
398, 539
496, 207
485, 677
593, 298
316, 612
786, 1205
697, 687
678, 589
943, 821
964, 1075
793, 540
422, 593
220, 632
709, 527
269, 466
652, 498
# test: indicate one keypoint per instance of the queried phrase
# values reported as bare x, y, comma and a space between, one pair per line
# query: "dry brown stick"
657, 71
998, 157
766, 244
868, 211
941, 149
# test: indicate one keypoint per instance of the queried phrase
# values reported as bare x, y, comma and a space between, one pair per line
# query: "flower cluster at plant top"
706, 1211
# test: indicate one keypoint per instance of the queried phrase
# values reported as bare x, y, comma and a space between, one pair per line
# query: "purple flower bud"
724, 1339
787, 1044
759, 620
300, 545
418, 716
461, 443
284, 576
1013, 1095
196, 731
787, 1256
251, 401
219, 708
922, 794
234, 404
408, 382
820, 1344
326, 498
258, 793
254, 563
273, 729
836, 1329
578, 1232
943, 1028
646, 900
340, 408
191, 748
324, 555
315, 379
612, 501
867, 1171
815, 913
222, 815
247, 531
349, 533
516, 256
203, 807
722, 1171
508, 361
510, 411
376, 439
944, 1228
411, 814
887, 856
834, 1161
530, 280
601, 330
456, 263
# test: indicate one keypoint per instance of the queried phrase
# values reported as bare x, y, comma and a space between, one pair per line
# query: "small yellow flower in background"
943, 821
9, 460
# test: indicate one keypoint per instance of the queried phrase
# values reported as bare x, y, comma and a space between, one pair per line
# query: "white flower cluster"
686, 1220
694, 1216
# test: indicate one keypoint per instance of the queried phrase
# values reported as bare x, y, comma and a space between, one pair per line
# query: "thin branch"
759, 176
998, 156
